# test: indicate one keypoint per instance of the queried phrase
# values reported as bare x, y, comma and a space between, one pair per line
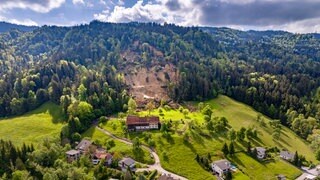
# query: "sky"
298, 16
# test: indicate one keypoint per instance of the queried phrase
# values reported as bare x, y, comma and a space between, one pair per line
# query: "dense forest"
82, 68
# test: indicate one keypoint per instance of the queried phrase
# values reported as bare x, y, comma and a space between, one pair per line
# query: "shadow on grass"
139, 154
89, 133
283, 141
216, 136
236, 160
257, 142
168, 137
53, 109
190, 146
197, 137
57, 115
284, 133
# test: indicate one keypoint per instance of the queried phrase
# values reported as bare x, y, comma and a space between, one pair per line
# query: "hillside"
5, 27
100, 69
180, 155
32, 127
241, 115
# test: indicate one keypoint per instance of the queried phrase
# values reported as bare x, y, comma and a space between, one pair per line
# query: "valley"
143, 100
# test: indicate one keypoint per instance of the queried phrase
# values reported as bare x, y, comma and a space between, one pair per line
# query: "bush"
103, 119
167, 108
151, 143
110, 144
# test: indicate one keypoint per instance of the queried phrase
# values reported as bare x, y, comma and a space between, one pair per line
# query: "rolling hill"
181, 154
5, 27
32, 127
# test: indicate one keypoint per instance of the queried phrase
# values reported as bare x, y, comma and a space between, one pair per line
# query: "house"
73, 155
286, 155
306, 176
261, 152
135, 123
166, 177
221, 167
310, 177
101, 154
281, 177
83, 146
127, 162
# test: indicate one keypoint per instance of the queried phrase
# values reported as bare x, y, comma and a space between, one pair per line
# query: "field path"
156, 166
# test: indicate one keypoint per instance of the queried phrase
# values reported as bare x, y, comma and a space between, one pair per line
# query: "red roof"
135, 120
106, 156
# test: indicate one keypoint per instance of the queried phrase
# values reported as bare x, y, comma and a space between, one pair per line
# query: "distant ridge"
5, 27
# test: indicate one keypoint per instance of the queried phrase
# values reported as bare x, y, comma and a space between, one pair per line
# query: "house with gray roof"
286, 155
221, 167
127, 162
83, 146
73, 155
261, 152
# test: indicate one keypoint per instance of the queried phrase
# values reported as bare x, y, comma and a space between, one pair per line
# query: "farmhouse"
286, 155
73, 155
83, 146
101, 154
221, 167
127, 162
261, 152
135, 123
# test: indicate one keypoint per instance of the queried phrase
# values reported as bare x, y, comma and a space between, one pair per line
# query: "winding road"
156, 166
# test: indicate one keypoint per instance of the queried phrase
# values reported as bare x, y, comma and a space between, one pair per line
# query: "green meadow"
33, 127
178, 155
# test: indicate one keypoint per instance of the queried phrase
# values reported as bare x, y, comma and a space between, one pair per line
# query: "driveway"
156, 166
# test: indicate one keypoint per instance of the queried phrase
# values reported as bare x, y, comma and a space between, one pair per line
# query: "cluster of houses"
97, 154
221, 167
85, 147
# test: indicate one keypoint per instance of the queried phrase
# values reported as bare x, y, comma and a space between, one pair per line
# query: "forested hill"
275, 72
5, 27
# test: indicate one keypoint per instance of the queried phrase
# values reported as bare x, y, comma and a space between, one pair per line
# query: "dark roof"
127, 161
135, 120
223, 164
287, 154
84, 144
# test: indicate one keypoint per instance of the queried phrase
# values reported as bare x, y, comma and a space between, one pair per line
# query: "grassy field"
34, 126
181, 154
261, 170
120, 147
240, 115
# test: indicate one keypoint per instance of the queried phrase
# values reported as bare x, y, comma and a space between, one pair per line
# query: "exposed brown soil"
145, 84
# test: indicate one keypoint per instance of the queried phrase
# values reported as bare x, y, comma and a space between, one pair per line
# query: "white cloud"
187, 14
26, 22
304, 26
102, 2
120, 2
209, 13
78, 1
41, 6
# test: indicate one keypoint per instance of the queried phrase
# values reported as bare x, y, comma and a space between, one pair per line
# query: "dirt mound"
152, 83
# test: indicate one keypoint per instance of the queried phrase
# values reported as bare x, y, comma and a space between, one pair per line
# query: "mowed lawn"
33, 127
261, 170
240, 115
